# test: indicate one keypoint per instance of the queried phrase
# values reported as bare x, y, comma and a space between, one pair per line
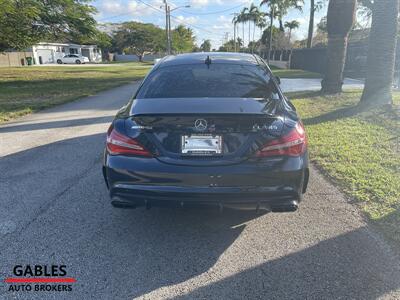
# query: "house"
48, 53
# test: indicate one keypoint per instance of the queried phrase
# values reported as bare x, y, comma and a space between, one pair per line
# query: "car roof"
215, 57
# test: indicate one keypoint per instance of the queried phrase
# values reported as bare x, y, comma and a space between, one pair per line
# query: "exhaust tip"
289, 207
120, 203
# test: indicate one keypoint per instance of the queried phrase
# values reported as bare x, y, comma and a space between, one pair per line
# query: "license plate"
201, 145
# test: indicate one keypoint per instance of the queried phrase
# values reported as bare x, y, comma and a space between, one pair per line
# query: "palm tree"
311, 24
340, 18
291, 26
254, 14
243, 16
239, 42
235, 21
278, 9
381, 53
314, 6
261, 22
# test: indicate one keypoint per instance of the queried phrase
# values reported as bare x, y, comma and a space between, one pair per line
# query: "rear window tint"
215, 80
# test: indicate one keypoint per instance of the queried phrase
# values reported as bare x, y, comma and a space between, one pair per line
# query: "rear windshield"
215, 80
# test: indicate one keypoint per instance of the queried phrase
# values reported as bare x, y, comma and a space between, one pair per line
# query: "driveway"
54, 209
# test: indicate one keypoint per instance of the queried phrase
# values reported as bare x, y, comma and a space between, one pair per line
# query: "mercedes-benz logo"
200, 124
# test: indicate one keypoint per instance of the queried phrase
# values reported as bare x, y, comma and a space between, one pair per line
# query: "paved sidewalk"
314, 84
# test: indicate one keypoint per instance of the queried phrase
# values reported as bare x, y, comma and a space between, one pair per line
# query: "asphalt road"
54, 209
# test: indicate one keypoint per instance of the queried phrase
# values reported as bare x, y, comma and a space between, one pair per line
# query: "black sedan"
208, 129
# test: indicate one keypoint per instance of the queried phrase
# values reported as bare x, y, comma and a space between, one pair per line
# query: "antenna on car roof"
208, 61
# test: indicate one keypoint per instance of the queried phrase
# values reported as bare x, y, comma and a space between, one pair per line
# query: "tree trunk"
243, 35
381, 53
341, 16
254, 33
290, 36
281, 27
234, 36
270, 33
249, 33
336, 57
311, 25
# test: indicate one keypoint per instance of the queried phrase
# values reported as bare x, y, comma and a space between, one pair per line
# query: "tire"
78, 62
59, 61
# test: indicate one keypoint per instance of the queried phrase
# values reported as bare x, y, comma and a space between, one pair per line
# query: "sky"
209, 19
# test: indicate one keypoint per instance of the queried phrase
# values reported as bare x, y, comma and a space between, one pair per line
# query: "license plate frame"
201, 145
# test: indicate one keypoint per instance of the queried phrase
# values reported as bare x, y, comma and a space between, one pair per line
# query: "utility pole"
272, 16
168, 23
167, 29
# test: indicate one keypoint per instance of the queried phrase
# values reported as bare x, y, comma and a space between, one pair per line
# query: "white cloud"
133, 8
215, 25
223, 23
222, 26
184, 20
203, 3
198, 3
110, 7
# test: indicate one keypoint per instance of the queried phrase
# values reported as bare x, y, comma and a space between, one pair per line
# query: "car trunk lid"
239, 123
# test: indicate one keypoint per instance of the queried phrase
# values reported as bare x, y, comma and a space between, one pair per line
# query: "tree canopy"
206, 46
25, 22
182, 39
139, 38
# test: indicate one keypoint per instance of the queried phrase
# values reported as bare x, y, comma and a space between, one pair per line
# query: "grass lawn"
293, 73
24, 90
359, 151
144, 63
285, 73
27, 89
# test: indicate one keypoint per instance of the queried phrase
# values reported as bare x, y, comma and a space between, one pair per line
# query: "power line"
172, 16
191, 25
160, 11
129, 13
214, 12
151, 6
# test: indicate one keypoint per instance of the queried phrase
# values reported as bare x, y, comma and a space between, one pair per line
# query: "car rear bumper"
275, 185
130, 195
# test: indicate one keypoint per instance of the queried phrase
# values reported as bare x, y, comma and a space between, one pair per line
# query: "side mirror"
278, 80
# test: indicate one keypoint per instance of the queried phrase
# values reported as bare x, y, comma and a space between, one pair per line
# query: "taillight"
292, 144
118, 143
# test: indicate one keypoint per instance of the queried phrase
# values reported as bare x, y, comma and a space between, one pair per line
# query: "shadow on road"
121, 254
178, 246
56, 191
56, 124
327, 270
170, 246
